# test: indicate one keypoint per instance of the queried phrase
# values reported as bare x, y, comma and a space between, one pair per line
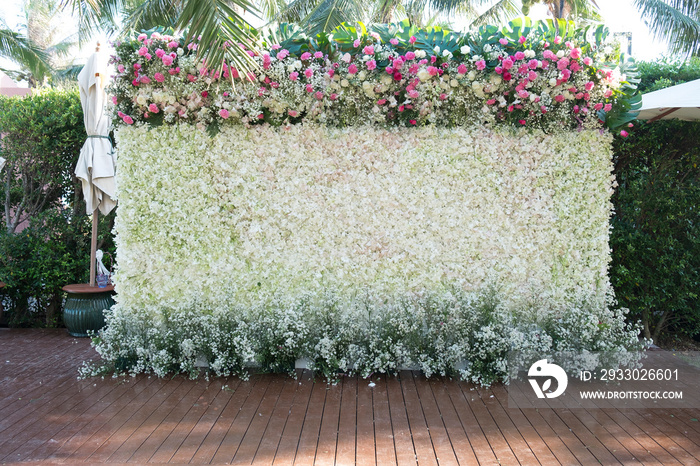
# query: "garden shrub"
45, 237
656, 227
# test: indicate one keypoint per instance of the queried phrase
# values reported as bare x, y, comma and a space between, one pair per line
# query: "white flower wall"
296, 210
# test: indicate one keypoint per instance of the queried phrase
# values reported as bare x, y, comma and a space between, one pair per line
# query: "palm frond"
674, 21
499, 13
329, 14
148, 14
20, 50
219, 27
94, 16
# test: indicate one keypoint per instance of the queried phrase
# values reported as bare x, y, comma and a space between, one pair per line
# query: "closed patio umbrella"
96, 165
681, 102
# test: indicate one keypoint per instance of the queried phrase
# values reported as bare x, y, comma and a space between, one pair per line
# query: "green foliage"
656, 227
667, 72
45, 234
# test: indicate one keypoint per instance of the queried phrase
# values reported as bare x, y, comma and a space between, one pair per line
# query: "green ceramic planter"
84, 310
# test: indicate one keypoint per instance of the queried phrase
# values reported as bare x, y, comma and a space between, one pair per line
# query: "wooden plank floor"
49, 416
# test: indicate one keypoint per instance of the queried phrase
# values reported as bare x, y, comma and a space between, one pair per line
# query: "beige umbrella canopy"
96, 165
681, 102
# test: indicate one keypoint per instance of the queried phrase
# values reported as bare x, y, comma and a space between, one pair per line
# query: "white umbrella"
96, 165
681, 102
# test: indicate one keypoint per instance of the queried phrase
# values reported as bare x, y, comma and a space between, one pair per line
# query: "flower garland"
539, 80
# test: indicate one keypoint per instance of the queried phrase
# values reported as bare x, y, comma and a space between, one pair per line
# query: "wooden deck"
48, 416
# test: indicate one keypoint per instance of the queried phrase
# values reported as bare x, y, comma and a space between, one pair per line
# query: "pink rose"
153, 108
318, 54
121, 68
293, 113
371, 65
522, 39
557, 40
532, 64
114, 99
128, 120
394, 41
624, 133
559, 98
368, 50
503, 41
305, 56
587, 61
563, 63
357, 43
413, 122
145, 80
575, 53
172, 44
433, 59
507, 63
491, 102
141, 37
282, 54
381, 101
143, 51
319, 95
522, 122
443, 96
397, 76
334, 96
607, 107
308, 73
531, 75
160, 53
159, 77
480, 65
167, 60
223, 113
412, 40
432, 71
590, 85
352, 69
462, 68
293, 76
309, 88
548, 54
410, 56
519, 55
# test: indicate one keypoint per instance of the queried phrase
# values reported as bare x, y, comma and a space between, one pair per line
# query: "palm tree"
674, 21
38, 48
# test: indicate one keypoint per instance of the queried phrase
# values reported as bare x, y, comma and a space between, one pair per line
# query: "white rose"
495, 79
465, 49
560, 54
552, 82
361, 75
447, 54
423, 75
471, 75
436, 49
180, 52
346, 58
141, 100
344, 83
420, 53
487, 48
386, 79
454, 83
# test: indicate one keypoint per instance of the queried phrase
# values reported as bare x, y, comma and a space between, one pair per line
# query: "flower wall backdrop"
367, 200
259, 211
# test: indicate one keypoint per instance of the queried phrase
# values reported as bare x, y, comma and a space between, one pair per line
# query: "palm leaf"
329, 14
219, 26
148, 14
20, 50
499, 13
674, 21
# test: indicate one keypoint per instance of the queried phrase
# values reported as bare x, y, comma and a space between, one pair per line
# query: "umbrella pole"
93, 248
